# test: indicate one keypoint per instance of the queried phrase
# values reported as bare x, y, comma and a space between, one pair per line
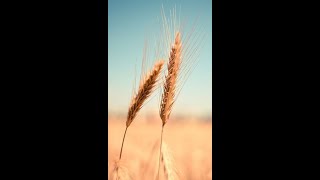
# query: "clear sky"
129, 21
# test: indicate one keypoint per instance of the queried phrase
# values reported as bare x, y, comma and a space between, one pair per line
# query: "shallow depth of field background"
189, 141
189, 129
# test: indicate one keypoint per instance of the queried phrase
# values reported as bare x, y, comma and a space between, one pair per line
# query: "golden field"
188, 143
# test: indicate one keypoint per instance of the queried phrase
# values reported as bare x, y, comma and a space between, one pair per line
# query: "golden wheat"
146, 87
169, 89
171, 79
177, 72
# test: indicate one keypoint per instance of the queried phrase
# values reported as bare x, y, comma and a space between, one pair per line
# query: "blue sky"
129, 24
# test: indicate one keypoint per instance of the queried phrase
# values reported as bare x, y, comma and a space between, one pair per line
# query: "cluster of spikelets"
148, 84
171, 79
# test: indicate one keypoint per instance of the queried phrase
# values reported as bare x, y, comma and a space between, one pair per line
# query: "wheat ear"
168, 95
146, 87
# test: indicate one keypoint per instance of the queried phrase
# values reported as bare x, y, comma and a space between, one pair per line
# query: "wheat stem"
123, 141
160, 152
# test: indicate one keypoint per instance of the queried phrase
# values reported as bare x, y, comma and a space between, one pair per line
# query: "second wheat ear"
146, 87
169, 88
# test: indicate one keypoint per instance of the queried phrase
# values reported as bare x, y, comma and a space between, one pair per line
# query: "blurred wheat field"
189, 144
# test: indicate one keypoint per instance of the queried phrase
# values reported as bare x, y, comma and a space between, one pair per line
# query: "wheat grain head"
181, 46
169, 87
146, 87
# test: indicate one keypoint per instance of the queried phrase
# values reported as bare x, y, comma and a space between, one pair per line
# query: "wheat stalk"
167, 98
146, 87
